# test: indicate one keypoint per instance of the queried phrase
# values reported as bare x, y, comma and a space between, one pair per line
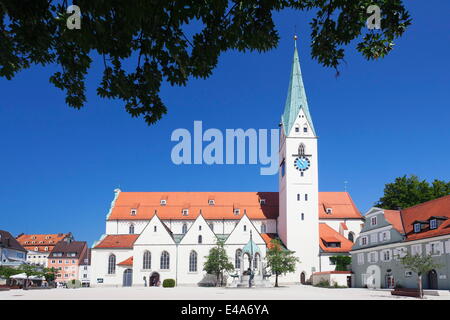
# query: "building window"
211, 202
373, 238
364, 241
46, 248
433, 224
263, 228
386, 255
133, 212
298, 196
147, 260
184, 228
200, 228
351, 236
305, 129
237, 258
306, 197
417, 227
408, 274
329, 210
112, 264
360, 258
262, 201
416, 249
245, 227
131, 229
155, 228
373, 221
193, 261
165, 261
200, 239
211, 226
303, 216
301, 149
297, 129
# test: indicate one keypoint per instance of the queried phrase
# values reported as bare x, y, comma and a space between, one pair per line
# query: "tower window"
298, 196
245, 228
301, 149
303, 216
301, 173
154, 228
306, 197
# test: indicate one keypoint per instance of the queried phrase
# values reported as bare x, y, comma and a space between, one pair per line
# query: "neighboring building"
84, 273
159, 235
12, 254
39, 246
66, 257
388, 235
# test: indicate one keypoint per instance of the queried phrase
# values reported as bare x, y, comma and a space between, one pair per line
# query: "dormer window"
305, 129
329, 210
185, 212
297, 129
417, 227
163, 202
133, 212
237, 212
373, 221
211, 202
433, 224
262, 201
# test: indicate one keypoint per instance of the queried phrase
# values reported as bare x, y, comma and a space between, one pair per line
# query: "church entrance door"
127, 278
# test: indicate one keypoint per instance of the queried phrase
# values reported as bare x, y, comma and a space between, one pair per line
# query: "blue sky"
376, 121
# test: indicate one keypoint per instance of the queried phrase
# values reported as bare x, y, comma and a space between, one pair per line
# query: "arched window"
112, 264
237, 259
131, 229
193, 262
351, 236
256, 260
165, 261
184, 228
263, 228
200, 239
147, 260
301, 149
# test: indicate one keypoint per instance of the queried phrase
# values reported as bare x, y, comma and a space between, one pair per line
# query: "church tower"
298, 221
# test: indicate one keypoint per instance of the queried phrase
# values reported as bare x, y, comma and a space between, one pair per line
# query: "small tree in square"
341, 262
420, 265
280, 260
217, 262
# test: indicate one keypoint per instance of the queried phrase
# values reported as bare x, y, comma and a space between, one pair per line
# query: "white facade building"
152, 236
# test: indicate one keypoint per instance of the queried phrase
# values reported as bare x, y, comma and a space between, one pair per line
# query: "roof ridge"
426, 202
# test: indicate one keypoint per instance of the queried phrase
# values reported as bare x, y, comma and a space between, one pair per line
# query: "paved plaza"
294, 292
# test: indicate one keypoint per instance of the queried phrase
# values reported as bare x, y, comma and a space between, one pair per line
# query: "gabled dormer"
199, 233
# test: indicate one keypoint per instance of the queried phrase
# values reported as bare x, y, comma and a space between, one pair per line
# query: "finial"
295, 40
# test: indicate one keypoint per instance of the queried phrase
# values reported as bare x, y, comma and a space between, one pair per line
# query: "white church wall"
99, 267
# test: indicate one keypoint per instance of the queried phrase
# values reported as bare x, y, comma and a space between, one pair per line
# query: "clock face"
301, 163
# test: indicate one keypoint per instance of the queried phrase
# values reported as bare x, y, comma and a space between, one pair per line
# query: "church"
152, 236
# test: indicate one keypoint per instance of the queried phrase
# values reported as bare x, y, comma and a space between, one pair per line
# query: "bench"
406, 292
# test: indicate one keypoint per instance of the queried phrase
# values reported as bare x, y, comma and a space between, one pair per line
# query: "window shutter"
440, 247
388, 235
376, 256
447, 246
428, 248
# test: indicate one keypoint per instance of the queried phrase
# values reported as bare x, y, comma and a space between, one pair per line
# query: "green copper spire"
296, 98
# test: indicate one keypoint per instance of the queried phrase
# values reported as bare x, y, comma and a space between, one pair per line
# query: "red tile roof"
341, 204
344, 226
124, 241
268, 237
127, 262
40, 241
328, 234
395, 219
438, 208
147, 203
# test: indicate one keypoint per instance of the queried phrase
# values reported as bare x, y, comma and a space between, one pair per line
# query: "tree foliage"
341, 262
420, 265
217, 261
406, 191
280, 260
144, 43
